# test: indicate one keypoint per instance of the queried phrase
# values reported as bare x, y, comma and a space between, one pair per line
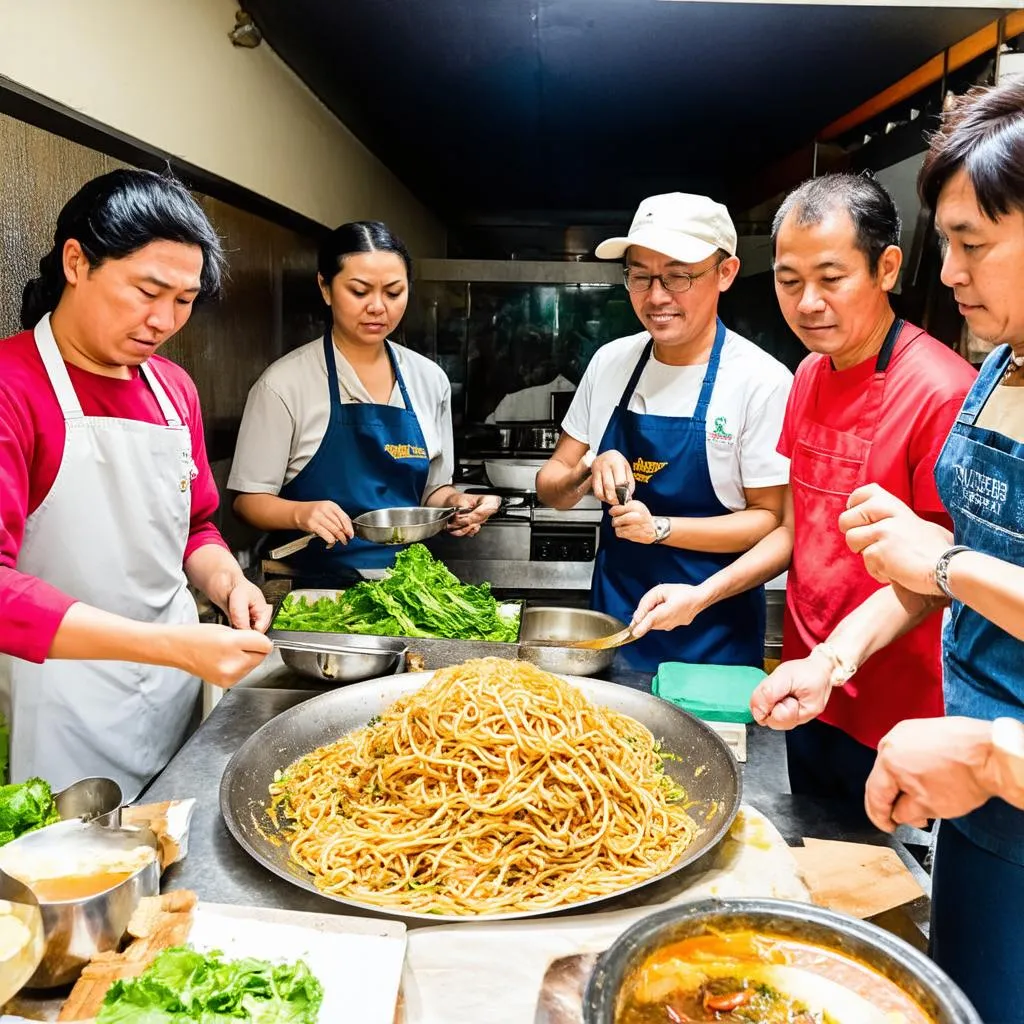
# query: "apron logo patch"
644, 469
405, 451
982, 493
720, 434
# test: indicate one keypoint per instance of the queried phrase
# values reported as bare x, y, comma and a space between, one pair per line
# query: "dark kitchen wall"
270, 303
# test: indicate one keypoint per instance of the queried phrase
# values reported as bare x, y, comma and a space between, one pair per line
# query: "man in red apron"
873, 401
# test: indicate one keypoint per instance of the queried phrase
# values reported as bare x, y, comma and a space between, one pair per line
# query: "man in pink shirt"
106, 495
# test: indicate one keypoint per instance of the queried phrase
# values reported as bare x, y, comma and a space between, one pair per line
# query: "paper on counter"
855, 878
358, 960
492, 973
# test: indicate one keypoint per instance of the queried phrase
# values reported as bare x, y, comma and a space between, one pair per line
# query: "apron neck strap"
889, 346
53, 363
332, 371
160, 393
988, 380
710, 373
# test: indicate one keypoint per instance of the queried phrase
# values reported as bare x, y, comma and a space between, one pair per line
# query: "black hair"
358, 236
983, 134
876, 220
118, 214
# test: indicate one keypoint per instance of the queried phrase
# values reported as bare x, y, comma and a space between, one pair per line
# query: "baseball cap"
679, 225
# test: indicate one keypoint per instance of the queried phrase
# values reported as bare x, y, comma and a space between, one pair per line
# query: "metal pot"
909, 969
553, 623
95, 799
76, 930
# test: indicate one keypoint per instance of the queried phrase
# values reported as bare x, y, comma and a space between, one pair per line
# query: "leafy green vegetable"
183, 986
24, 807
419, 597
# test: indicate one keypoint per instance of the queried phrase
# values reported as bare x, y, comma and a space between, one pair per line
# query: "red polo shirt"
925, 387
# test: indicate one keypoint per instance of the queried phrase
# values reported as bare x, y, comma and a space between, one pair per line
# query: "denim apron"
978, 891
372, 456
670, 466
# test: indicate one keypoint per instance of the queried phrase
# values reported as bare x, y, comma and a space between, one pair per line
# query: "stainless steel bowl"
76, 930
552, 623
909, 969
95, 799
333, 661
513, 474
401, 525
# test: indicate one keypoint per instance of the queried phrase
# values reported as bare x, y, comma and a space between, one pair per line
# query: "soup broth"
747, 977
77, 887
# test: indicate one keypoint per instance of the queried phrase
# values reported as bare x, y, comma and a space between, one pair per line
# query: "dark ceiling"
486, 108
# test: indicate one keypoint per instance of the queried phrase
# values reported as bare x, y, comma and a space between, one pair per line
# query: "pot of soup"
769, 961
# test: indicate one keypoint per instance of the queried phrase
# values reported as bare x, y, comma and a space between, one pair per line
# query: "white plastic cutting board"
358, 960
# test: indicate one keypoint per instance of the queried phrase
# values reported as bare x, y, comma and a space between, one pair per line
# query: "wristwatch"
662, 528
942, 569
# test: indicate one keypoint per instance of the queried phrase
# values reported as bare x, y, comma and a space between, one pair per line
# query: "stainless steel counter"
218, 869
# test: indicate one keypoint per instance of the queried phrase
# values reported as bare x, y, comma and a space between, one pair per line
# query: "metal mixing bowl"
332, 664
401, 525
909, 969
76, 930
94, 799
551, 623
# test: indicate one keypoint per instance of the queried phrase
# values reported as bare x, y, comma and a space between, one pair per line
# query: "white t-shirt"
745, 415
288, 408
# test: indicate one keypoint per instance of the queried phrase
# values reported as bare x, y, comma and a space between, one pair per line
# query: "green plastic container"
714, 693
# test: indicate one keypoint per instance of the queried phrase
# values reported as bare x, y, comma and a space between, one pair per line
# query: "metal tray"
707, 770
436, 652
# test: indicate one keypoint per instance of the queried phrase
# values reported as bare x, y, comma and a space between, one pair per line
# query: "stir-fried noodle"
495, 788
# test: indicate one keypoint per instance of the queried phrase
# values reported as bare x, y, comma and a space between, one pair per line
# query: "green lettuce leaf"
419, 597
182, 986
24, 807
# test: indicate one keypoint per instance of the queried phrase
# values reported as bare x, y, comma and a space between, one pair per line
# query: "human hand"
633, 521
898, 546
795, 693
326, 519
610, 470
247, 608
472, 511
218, 654
930, 768
667, 606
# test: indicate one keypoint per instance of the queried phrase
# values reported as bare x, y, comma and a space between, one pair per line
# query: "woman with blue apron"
309, 461
980, 477
728, 633
356, 467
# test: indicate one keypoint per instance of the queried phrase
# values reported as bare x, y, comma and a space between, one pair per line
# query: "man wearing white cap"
685, 416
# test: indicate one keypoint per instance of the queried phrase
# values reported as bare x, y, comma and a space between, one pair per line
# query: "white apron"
111, 533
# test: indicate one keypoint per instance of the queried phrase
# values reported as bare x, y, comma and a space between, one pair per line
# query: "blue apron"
670, 465
975, 934
371, 456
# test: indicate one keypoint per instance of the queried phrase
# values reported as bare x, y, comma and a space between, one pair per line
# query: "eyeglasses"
674, 282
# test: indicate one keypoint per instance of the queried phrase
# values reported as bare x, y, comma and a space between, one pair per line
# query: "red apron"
827, 580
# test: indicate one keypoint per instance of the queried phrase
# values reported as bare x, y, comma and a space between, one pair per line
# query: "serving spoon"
600, 643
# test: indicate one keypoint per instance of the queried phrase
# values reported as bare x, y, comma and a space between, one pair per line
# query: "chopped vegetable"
419, 597
182, 985
24, 807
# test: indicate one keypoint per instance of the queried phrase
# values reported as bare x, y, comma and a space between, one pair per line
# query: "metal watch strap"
662, 528
942, 568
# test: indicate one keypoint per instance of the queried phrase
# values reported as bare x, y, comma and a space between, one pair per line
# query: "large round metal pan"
706, 769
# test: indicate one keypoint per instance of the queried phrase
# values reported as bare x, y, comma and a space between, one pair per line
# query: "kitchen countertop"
218, 869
